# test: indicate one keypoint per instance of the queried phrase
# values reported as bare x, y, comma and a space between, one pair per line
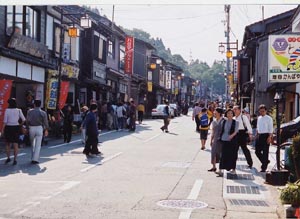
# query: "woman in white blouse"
11, 128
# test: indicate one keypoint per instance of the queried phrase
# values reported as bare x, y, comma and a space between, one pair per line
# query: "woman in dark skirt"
11, 128
230, 128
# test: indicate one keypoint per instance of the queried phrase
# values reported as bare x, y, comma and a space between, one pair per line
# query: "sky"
194, 31
191, 28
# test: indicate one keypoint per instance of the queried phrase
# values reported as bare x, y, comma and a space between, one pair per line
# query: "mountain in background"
212, 77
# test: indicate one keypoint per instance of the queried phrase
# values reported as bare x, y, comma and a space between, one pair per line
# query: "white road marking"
66, 186
19, 155
101, 162
155, 136
3, 196
79, 140
186, 214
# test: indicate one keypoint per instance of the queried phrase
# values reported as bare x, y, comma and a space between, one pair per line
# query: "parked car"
176, 109
289, 129
158, 112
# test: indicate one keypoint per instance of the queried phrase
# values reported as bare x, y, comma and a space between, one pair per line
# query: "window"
32, 18
22, 20
111, 49
9, 20
122, 57
100, 50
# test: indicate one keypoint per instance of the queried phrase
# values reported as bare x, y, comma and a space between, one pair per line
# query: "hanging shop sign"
5, 90
70, 71
149, 86
63, 93
129, 52
284, 58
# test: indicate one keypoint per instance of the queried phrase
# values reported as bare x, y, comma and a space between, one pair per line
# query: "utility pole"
227, 35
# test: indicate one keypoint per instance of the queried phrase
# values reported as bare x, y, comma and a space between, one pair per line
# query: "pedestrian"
167, 117
197, 109
215, 143
245, 133
68, 116
104, 115
132, 116
254, 129
110, 116
141, 111
121, 113
84, 111
228, 136
204, 126
265, 135
37, 122
13, 120
91, 144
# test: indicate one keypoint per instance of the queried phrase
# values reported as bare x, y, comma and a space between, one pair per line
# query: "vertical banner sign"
284, 58
63, 94
129, 49
168, 79
5, 90
51, 91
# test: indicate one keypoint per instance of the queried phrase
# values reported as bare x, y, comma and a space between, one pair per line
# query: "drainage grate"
177, 164
248, 202
243, 189
240, 176
241, 159
182, 204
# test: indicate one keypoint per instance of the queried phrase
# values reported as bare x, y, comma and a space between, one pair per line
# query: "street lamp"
85, 22
277, 99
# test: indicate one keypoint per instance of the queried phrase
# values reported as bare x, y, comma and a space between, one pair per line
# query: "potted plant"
290, 194
296, 155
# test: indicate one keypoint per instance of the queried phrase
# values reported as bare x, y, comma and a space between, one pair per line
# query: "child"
204, 125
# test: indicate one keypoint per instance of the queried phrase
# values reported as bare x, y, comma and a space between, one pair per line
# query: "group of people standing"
233, 131
14, 119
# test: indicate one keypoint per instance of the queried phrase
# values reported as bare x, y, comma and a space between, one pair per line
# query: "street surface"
147, 174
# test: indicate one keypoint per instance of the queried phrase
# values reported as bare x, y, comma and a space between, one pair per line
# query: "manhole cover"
182, 204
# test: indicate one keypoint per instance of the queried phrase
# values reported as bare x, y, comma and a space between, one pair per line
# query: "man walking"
265, 134
91, 144
167, 119
245, 130
38, 122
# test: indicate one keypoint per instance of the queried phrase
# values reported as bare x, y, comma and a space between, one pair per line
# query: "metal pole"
60, 58
227, 11
278, 139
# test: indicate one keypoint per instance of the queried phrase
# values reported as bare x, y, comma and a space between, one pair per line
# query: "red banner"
5, 90
63, 94
129, 48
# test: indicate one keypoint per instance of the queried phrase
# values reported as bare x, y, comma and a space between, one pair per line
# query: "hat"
85, 108
246, 109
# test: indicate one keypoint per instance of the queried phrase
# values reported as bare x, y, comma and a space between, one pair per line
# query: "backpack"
204, 121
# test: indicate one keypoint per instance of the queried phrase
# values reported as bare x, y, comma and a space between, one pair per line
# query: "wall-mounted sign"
28, 45
284, 58
149, 86
70, 71
129, 52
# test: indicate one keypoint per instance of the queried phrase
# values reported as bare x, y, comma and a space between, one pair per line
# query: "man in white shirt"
245, 130
265, 134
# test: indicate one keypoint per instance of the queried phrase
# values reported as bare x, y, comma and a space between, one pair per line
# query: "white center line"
155, 136
101, 162
186, 214
64, 144
19, 155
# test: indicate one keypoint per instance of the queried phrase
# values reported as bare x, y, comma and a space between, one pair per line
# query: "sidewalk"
247, 195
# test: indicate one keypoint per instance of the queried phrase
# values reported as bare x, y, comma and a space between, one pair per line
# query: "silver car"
158, 112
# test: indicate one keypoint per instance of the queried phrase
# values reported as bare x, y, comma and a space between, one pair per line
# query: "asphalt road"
147, 174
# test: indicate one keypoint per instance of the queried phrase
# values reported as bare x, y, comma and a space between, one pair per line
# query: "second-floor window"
122, 57
100, 47
111, 49
23, 20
